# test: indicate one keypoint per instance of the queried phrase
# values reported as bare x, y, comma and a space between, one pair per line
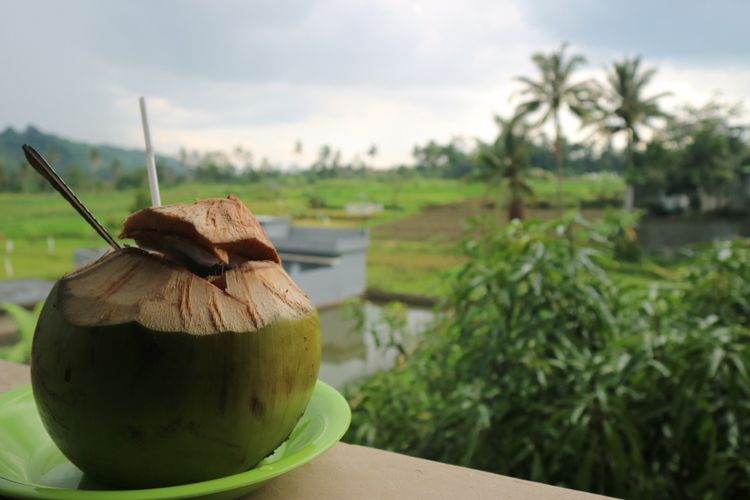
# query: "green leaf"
716, 358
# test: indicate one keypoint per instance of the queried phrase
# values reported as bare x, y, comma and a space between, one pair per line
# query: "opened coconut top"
160, 288
132, 285
213, 232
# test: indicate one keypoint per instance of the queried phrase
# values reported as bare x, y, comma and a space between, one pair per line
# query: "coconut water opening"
199, 269
197, 258
214, 274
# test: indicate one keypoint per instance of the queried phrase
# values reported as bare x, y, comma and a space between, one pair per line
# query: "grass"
576, 190
30, 215
414, 240
29, 219
410, 267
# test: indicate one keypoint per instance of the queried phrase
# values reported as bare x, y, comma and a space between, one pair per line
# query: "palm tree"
372, 152
94, 155
552, 93
625, 109
324, 153
508, 158
95, 159
297, 152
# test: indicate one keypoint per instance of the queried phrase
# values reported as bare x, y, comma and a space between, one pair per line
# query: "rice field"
414, 239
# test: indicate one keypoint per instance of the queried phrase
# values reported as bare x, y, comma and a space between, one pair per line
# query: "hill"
65, 154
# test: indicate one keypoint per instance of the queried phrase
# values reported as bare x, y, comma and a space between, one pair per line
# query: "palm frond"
628, 108
530, 86
571, 64
656, 97
526, 108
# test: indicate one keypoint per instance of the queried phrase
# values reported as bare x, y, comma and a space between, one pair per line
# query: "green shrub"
543, 368
142, 199
25, 320
720, 283
619, 230
315, 201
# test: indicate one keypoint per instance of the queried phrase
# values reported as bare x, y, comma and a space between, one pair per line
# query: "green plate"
31, 466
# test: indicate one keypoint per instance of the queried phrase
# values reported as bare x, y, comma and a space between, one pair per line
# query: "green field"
414, 240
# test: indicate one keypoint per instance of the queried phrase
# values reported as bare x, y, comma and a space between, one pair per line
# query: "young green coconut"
190, 358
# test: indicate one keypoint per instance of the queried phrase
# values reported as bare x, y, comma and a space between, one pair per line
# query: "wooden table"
359, 473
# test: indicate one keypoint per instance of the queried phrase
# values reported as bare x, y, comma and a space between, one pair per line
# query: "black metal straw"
45, 170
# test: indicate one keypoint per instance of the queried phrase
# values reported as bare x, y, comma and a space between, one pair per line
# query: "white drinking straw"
153, 180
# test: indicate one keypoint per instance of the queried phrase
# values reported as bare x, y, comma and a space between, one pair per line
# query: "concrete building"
330, 265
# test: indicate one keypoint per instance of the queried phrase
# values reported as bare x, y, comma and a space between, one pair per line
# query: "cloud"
49, 78
329, 42
342, 72
690, 32
349, 119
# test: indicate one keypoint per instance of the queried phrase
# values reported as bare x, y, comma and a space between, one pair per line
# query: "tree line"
694, 152
236, 166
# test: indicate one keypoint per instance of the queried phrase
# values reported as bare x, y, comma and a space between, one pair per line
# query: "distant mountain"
64, 153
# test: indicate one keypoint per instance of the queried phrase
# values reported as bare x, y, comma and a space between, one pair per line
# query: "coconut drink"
187, 358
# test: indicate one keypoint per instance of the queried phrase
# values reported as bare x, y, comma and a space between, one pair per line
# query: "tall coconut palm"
508, 159
626, 110
554, 92
95, 160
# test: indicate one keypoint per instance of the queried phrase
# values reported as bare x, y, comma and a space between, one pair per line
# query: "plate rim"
337, 423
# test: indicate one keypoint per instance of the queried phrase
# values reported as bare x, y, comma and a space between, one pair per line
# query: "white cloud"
345, 118
349, 74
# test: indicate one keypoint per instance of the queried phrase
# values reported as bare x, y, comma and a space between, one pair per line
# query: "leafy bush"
619, 230
543, 368
388, 331
142, 199
720, 283
20, 352
316, 201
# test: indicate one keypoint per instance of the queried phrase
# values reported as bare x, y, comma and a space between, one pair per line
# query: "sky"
347, 73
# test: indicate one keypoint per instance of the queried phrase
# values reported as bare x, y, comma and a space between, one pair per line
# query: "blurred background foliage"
541, 366
25, 320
